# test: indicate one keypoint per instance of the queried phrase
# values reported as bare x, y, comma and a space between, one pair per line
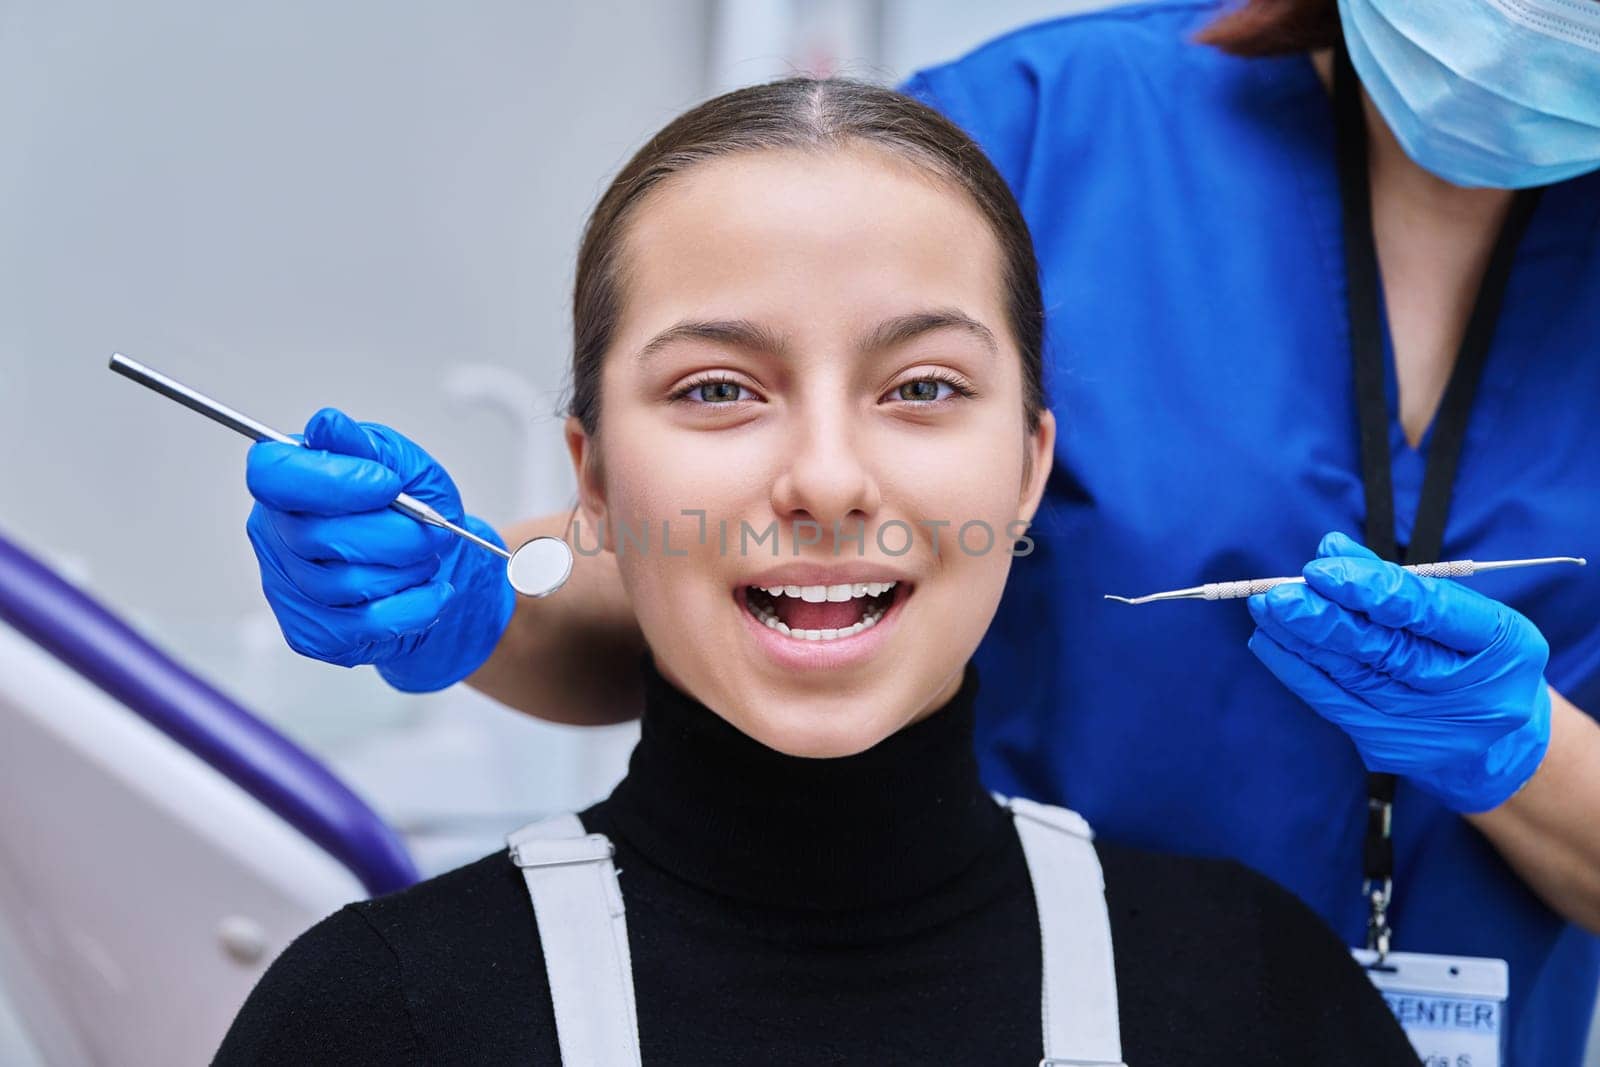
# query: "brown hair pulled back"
812, 114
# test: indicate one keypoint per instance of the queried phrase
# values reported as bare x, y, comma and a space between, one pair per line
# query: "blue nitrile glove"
352, 581
1431, 680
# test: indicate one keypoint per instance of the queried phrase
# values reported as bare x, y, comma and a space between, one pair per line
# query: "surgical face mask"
1499, 93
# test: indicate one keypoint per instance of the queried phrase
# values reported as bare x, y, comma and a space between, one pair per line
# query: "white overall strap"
1079, 1010
578, 906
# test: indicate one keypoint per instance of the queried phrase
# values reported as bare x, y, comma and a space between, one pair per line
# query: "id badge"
1453, 1008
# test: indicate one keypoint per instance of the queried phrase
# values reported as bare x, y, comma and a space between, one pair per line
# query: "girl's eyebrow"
736, 333
904, 328
742, 333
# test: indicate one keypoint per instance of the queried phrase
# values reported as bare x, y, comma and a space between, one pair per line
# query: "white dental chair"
158, 845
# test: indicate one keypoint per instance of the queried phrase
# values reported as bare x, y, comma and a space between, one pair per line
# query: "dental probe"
1458, 568
537, 568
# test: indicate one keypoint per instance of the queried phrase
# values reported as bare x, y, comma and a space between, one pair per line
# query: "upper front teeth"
816, 594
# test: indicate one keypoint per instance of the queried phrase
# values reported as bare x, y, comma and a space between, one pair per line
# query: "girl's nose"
826, 476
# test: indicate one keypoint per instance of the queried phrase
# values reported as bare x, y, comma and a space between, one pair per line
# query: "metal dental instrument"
536, 569
1459, 568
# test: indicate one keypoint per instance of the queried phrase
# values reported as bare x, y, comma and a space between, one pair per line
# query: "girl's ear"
591, 479
1041, 446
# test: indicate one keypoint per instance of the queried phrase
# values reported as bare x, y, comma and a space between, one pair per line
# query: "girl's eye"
925, 389
931, 389
713, 391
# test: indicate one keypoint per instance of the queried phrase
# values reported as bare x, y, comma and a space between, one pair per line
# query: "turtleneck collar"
718, 809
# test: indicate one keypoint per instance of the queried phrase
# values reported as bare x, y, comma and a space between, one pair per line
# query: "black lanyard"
1449, 428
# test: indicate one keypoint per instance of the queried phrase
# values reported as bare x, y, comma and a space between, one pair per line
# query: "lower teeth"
772, 622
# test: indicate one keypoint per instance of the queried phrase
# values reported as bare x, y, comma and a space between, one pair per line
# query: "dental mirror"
540, 567
535, 569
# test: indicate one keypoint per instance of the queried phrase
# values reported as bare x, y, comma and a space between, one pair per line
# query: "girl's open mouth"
822, 612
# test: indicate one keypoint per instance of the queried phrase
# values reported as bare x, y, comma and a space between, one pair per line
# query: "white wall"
289, 204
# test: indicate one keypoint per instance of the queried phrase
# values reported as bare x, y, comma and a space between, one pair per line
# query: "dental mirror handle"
260, 431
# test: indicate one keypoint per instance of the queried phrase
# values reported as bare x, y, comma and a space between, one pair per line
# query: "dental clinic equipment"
536, 569
1460, 568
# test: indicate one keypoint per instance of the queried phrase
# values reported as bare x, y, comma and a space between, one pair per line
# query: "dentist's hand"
1431, 680
352, 581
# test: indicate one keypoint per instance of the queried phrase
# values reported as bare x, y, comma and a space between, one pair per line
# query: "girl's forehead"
824, 183
812, 226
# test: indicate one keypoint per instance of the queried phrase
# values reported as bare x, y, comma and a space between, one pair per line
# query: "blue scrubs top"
1186, 212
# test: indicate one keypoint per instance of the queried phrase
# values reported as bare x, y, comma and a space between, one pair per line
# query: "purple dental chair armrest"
86, 637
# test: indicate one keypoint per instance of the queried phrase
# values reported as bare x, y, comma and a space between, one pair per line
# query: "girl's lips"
797, 653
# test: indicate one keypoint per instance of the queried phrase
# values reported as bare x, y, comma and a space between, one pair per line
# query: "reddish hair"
1274, 27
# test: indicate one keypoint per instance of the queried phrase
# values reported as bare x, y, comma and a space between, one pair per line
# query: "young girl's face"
813, 352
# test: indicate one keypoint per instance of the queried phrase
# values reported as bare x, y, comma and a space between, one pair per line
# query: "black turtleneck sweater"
874, 909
